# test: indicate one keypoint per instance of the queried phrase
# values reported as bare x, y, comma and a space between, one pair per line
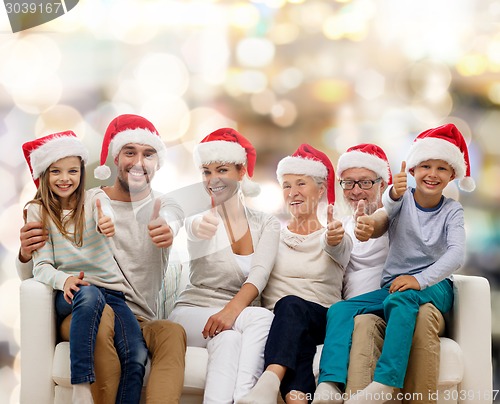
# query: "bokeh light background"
330, 73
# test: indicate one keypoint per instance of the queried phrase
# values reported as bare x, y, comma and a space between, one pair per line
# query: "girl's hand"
399, 183
404, 282
104, 223
218, 322
71, 285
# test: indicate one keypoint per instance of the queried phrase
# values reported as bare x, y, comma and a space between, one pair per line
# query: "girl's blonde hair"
51, 208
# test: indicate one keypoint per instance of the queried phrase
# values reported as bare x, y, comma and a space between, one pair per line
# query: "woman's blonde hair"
51, 208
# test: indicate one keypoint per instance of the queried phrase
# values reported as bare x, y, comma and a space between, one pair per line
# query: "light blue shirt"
426, 243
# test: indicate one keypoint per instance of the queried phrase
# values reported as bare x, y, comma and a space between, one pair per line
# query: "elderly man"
145, 225
364, 174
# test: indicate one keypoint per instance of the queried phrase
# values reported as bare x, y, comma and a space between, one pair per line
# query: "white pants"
235, 357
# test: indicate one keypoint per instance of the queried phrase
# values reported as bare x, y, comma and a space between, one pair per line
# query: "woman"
232, 251
309, 269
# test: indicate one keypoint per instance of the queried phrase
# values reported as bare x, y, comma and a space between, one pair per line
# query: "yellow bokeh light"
331, 91
494, 93
58, 119
243, 15
170, 115
472, 65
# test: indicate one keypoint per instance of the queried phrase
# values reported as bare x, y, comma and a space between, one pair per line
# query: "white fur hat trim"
139, 136
436, 149
357, 159
300, 166
56, 149
219, 151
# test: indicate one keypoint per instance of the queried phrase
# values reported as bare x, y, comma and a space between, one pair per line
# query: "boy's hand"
334, 229
104, 223
71, 285
399, 183
365, 224
404, 282
159, 230
32, 237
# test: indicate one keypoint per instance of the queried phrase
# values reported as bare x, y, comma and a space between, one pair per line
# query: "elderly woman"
232, 250
305, 282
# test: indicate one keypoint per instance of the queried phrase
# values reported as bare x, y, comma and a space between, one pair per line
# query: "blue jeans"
298, 326
399, 310
86, 310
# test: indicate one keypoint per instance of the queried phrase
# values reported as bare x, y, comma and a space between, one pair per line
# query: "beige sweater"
215, 276
309, 268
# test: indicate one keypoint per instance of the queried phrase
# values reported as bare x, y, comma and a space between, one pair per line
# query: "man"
364, 174
145, 226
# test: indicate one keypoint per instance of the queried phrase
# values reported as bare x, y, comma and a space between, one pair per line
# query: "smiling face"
431, 177
301, 194
372, 196
222, 179
137, 165
64, 179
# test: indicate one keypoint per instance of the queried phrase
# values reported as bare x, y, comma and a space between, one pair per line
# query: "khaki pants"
166, 342
423, 366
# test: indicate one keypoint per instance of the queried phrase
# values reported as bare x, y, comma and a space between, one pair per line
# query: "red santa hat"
366, 155
443, 143
226, 145
125, 129
41, 153
309, 161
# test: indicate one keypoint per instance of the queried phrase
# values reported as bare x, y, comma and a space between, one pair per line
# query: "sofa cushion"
451, 363
196, 368
194, 375
451, 367
61, 371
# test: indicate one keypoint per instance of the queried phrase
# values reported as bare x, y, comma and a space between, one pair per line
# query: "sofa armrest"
470, 327
38, 340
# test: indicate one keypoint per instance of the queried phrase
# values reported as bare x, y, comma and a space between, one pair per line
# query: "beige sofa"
465, 368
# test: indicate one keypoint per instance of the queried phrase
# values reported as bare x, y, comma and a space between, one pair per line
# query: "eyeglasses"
363, 184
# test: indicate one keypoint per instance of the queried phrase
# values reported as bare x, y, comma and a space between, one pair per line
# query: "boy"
427, 244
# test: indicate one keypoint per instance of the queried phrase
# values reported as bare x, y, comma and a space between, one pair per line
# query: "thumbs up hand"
399, 183
104, 223
334, 229
365, 224
206, 226
159, 230
360, 209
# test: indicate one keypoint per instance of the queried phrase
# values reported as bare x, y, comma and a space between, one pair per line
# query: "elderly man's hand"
365, 224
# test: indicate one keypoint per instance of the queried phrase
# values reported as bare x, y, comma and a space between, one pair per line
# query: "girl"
78, 223
232, 250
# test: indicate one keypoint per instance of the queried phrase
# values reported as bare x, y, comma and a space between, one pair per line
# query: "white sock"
82, 394
265, 390
327, 392
374, 393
